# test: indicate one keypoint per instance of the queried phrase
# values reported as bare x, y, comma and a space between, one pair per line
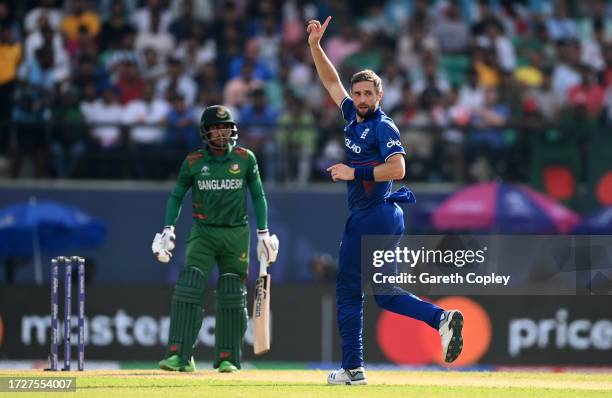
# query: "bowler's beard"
361, 114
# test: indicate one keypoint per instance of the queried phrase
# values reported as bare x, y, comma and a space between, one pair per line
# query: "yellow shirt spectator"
529, 75
10, 54
72, 23
487, 76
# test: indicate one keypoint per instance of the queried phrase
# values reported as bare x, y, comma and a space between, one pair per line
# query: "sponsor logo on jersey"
365, 133
391, 143
218, 185
234, 168
205, 170
352, 146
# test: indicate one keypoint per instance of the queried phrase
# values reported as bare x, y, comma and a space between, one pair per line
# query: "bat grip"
263, 267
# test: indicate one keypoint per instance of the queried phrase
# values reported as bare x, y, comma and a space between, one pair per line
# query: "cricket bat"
261, 311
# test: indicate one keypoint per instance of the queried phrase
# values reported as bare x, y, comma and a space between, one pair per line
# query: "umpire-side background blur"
100, 102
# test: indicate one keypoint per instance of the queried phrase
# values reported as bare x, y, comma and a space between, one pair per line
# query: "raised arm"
325, 69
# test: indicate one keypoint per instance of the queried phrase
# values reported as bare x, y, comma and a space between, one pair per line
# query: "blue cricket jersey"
368, 143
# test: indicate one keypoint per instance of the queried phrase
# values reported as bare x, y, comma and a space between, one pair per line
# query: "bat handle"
263, 267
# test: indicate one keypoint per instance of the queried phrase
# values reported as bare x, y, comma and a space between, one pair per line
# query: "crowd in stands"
115, 88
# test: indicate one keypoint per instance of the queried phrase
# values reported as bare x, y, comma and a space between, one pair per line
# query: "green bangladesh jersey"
219, 188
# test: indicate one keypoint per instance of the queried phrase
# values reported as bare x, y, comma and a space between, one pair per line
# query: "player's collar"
374, 114
222, 158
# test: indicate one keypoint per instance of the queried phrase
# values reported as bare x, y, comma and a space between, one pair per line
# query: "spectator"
46, 9
113, 58
471, 94
152, 17
544, 99
296, 140
80, 18
276, 88
144, 116
68, 135
566, 73
194, 53
186, 24
251, 55
368, 57
45, 36
146, 134
495, 39
560, 27
129, 85
182, 122
258, 120
486, 140
588, 96
152, 68
33, 99
332, 153
392, 81
103, 115
87, 70
531, 74
203, 10
236, 90
485, 64
592, 52
374, 21
338, 47
178, 82
607, 72
269, 42
451, 31
416, 123
154, 35
10, 53
208, 79
116, 27
431, 87
413, 44
486, 17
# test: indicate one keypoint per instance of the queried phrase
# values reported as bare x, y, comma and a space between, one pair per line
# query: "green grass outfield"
311, 383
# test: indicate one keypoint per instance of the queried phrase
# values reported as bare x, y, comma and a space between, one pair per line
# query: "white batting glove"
163, 244
267, 246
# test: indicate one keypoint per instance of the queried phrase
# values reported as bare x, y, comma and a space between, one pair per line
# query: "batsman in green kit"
219, 176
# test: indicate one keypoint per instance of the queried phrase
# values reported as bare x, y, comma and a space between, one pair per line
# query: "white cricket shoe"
347, 376
450, 333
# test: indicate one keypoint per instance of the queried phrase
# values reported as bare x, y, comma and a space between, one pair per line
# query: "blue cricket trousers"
386, 218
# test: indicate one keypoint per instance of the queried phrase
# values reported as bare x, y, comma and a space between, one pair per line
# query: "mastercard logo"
407, 341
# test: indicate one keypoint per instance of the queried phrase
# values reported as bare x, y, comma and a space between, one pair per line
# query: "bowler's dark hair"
367, 75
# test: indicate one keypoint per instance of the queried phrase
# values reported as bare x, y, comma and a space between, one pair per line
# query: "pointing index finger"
326, 22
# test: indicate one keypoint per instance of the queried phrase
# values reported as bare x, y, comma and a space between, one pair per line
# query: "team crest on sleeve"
234, 168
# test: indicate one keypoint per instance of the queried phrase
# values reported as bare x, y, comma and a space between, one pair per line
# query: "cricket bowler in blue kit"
375, 157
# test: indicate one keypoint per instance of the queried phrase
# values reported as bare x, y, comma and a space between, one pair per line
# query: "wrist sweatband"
364, 173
